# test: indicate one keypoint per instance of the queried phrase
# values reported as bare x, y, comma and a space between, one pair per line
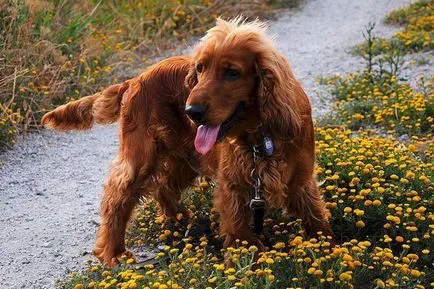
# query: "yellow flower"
360, 224
130, 261
346, 276
415, 273
279, 245
347, 257
410, 175
192, 281
330, 188
297, 241
311, 270
231, 278
376, 203
413, 257
399, 239
380, 283
253, 249
359, 213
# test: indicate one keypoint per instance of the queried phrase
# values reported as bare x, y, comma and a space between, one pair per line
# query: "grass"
378, 187
54, 51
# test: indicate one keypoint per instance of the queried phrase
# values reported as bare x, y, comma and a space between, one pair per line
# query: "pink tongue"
206, 136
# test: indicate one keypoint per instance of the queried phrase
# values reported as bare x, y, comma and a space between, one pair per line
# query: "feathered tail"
102, 107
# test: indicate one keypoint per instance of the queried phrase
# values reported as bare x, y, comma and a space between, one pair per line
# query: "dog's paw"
112, 259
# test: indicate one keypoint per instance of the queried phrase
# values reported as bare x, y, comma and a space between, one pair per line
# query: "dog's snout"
196, 112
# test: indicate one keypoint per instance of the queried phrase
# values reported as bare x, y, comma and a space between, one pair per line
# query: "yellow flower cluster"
378, 187
418, 19
297, 263
364, 99
9, 121
418, 32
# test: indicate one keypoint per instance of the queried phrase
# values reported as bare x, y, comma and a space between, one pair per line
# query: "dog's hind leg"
129, 177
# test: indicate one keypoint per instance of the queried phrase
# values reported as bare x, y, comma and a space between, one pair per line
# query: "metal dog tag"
268, 146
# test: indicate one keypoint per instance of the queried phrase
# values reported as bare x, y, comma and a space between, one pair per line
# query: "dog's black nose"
196, 112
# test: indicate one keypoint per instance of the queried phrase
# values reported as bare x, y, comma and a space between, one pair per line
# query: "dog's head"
235, 66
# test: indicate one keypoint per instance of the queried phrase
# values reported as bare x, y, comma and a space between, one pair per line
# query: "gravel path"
51, 183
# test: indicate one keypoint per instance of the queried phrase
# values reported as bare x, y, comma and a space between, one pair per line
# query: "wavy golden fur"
102, 108
157, 151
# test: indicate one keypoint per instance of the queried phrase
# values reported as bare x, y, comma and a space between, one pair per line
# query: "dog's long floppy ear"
191, 78
277, 96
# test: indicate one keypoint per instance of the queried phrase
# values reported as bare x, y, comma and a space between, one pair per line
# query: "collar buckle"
256, 204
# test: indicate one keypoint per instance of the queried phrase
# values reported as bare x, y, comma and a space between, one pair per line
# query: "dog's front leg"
232, 203
310, 207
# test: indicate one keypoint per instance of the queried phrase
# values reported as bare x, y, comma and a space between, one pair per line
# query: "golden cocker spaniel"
206, 114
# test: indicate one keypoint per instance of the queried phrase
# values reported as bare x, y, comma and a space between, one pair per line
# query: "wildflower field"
54, 51
375, 154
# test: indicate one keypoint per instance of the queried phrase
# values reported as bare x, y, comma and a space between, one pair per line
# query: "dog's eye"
231, 74
199, 68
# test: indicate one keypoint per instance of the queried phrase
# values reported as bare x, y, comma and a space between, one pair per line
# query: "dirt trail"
51, 183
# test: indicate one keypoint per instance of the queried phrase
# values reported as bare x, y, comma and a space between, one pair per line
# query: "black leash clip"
258, 208
257, 204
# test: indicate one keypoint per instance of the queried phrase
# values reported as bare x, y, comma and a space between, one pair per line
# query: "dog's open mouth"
207, 136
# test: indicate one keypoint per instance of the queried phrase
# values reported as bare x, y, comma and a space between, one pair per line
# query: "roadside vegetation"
55, 51
375, 153
417, 34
